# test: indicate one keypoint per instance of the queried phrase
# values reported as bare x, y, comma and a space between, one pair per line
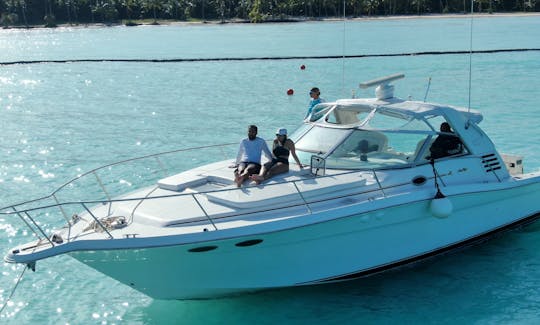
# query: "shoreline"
138, 23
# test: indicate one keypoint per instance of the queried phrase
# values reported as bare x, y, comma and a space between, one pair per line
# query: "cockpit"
370, 134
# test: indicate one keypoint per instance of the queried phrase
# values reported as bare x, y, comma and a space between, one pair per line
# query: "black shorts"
251, 167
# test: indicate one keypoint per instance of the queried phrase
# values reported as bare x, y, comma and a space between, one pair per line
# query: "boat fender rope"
439, 194
440, 206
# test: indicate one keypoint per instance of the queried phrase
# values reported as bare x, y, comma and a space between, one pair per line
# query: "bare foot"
238, 180
257, 179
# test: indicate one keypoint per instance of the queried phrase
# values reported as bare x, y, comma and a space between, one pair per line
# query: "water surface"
58, 120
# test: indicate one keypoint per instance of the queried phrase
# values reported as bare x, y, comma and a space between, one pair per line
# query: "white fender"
441, 207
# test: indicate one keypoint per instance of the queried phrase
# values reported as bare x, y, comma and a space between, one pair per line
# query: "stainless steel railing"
23, 209
27, 213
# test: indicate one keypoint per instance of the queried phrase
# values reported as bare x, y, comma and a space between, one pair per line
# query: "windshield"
374, 149
319, 141
369, 137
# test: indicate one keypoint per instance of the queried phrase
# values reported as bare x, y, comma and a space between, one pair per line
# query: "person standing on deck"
315, 94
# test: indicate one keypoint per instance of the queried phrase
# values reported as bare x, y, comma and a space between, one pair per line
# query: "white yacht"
380, 192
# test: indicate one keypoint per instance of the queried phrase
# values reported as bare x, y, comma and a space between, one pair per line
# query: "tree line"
52, 12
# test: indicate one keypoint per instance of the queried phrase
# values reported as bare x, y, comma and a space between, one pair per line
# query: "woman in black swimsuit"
281, 149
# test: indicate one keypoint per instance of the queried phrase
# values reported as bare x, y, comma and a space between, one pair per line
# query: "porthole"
250, 242
419, 180
201, 249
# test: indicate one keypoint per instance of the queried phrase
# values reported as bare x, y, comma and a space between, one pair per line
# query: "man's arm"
265, 149
240, 153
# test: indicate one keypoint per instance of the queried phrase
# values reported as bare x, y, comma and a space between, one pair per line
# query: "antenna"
427, 89
343, 58
384, 90
470, 63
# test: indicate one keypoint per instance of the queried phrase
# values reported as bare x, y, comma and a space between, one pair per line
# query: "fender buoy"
441, 207
290, 91
302, 67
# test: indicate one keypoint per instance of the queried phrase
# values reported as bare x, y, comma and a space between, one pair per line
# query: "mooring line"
13, 290
276, 58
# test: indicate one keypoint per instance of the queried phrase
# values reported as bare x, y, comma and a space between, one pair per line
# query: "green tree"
371, 6
106, 10
255, 14
129, 6
23, 8
420, 6
152, 6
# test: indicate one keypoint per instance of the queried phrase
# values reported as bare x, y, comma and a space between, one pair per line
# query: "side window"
331, 118
446, 143
319, 111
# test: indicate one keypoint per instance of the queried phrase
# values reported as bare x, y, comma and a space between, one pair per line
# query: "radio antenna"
470, 55
470, 64
343, 49
427, 89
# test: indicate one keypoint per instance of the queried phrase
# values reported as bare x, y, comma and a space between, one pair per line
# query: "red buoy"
302, 67
290, 91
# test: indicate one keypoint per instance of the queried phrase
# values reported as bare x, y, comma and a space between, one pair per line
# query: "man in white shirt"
248, 159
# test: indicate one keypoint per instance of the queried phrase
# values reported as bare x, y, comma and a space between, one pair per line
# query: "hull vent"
491, 163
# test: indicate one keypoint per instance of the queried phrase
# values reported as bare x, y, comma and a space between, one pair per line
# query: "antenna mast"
343, 58
470, 57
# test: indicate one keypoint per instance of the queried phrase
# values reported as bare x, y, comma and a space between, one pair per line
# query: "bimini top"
387, 132
359, 111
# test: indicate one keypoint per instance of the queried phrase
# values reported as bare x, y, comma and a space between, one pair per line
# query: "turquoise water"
58, 120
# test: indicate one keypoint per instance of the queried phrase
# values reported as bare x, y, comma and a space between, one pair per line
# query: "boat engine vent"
491, 162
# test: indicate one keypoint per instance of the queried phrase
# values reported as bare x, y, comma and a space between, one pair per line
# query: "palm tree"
152, 5
371, 6
50, 19
255, 13
22, 5
129, 4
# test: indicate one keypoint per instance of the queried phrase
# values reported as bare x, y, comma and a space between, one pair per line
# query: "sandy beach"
149, 22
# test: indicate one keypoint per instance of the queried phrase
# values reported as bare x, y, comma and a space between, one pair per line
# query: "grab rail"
301, 196
93, 171
204, 211
99, 223
380, 186
183, 194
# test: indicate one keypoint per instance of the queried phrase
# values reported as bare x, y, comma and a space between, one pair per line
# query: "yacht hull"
348, 245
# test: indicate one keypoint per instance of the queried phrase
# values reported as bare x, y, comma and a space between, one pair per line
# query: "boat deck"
207, 198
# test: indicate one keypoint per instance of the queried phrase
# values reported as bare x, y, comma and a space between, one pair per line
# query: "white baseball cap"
281, 132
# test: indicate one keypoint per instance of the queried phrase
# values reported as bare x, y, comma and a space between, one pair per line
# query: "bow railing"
70, 209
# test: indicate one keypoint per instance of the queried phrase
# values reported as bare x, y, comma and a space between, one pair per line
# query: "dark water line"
270, 58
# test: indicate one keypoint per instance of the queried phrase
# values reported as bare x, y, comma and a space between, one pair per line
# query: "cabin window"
346, 115
449, 143
436, 122
319, 111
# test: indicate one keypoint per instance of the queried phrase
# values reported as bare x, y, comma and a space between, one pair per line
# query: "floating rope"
270, 58
13, 290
